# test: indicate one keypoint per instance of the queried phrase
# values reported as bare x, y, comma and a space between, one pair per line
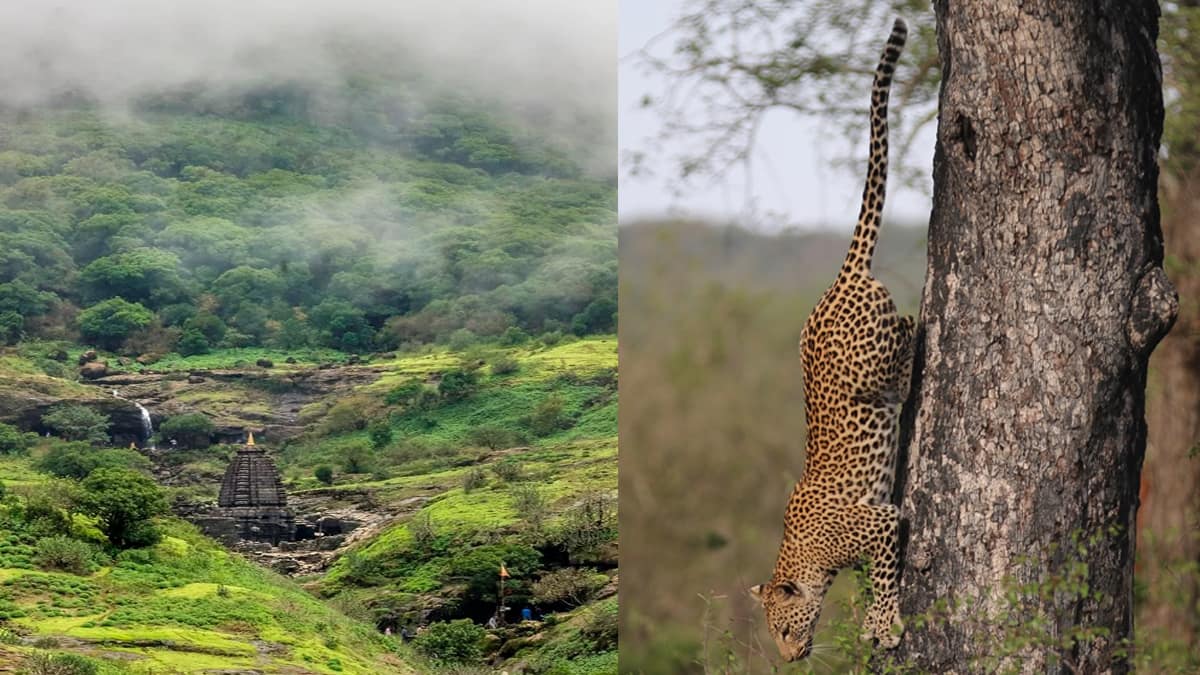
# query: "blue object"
527, 614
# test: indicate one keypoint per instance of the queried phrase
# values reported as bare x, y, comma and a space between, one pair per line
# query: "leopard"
856, 355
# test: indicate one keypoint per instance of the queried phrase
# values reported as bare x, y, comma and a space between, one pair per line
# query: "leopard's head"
792, 609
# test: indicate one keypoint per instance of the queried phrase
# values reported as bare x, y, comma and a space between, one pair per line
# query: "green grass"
187, 601
244, 357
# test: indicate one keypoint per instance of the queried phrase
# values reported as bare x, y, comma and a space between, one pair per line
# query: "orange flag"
503, 572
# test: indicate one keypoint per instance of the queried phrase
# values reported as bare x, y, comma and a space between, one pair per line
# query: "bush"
548, 417
60, 664
324, 473
601, 627
356, 458
514, 336
509, 470
13, 441
530, 505
551, 338
380, 433
192, 343
404, 394
64, 554
588, 525
461, 339
349, 414
193, 430
495, 438
458, 384
458, 641
505, 365
78, 423
571, 586
422, 530
78, 459
474, 479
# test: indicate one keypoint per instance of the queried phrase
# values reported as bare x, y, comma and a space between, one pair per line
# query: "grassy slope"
564, 465
185, 605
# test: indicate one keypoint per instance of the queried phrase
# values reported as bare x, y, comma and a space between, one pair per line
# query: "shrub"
509, 470
78, 423
380, 433
505, 365
78, 459
64, 554
530, 505
458, 384
461, 339
551, 338
324, 473
588, 525
474, 479
422, 530
494, 437
548, 417
193, 430
513, 336
404, 394
192, 343
601, 627
60, 664
13, 441
351, 414
571, 585
356, 458
458, 641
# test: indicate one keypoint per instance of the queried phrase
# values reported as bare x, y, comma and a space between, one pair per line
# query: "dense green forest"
267, 217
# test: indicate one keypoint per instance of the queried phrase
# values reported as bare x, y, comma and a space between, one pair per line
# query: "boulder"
147, 359
329, 525
265, 363
87, 357
123, 361
290, 359
195, 379
93, 370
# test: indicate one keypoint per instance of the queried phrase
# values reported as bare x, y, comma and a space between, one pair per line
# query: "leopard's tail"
862, 246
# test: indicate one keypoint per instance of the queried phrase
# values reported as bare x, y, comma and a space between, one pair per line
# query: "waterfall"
147, 424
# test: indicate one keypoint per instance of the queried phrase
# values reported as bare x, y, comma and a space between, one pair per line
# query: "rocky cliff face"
236, 400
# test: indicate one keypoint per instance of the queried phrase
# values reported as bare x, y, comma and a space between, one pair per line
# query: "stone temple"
252, 499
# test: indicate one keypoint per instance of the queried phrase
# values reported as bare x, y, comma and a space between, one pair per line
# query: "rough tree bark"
1044, 297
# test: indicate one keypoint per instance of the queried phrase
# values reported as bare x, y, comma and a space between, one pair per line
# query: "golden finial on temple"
250, 440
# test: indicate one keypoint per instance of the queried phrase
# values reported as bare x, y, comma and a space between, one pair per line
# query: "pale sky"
792, 175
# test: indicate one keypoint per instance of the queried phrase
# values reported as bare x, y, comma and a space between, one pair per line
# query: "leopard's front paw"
886, 632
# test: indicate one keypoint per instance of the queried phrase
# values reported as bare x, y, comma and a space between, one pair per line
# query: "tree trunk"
1168, 533
1044, 297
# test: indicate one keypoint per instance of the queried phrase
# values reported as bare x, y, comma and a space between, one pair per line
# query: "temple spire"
250, 441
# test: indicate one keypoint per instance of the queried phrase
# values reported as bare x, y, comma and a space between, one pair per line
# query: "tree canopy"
288, 226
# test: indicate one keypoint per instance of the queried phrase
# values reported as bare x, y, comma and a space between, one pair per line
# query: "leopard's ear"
756, 591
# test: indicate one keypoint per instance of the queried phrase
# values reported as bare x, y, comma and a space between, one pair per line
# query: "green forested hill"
266, 217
